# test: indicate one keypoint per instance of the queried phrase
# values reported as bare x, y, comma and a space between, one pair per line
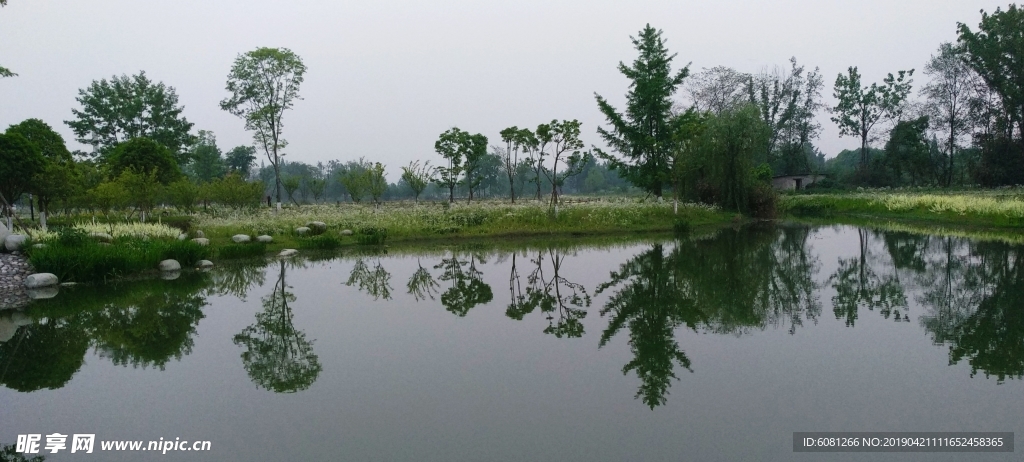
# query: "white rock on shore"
40, 280
240, 238
170, 265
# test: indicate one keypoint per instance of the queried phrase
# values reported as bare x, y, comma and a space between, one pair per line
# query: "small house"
795, 182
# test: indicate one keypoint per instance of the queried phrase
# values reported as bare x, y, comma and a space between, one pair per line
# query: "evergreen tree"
643, 134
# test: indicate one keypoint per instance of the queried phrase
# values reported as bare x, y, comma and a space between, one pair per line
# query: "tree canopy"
643, 134
126, 107
144, 155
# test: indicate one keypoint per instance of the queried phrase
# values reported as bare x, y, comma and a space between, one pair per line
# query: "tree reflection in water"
553, 295
278, 357
422, 284
467, 288
376, 282
730, 283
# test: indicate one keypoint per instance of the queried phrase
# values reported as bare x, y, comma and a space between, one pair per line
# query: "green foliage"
376, 182
474, 151
643, 134
371, 235
89, 261
907, 152
20, 161
57, 179
733, 143
240, 160
143, 188
860, 108
356, 180
235, 192
143, 155
322, 242
207, 163
183, 195
450, 145
995, 51
247, 250
291, 184
124, 108
417, 177
108, 196
264, 83
787, 105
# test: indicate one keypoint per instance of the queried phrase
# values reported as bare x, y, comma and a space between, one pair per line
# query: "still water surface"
713, 347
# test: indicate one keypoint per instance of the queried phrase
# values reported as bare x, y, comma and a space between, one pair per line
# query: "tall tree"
474, 149
207, 162
861, 108
643, 134
996, 52
20, 161
449, 146
787, 103
566, 148
240, 160
717, 89
907, 152
56, 179
378, 184
514, 142
144, 156
264, 83
126, 107
949, 94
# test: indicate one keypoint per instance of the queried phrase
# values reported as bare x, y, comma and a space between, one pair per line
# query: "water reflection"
554, 295
467, 288
278, 357
966, 295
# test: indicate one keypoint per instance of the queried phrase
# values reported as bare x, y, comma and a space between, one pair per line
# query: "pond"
714, 346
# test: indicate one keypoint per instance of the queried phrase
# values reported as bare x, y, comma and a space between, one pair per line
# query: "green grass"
322, 242
995, 208
247, 250
74, 260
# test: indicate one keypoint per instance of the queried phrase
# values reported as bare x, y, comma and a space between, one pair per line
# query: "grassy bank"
136, 248
407, 222
984, 209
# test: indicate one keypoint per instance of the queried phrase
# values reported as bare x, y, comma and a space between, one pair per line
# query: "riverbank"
992, 209
90, 255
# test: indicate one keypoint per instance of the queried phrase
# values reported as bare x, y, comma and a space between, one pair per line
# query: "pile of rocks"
14, 268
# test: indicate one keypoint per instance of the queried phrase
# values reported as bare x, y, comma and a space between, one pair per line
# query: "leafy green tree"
949, 94
235, 192
240, 160
860, 108
716, 90
108, 196
356, 180
377, 184
291, 184
316, 186
417, 177
124, 108
474, 151
787, 104
516, 140
20, 161
995, 52
146, 156
277, 356
564, 137
733, 144
144, 189
183, 195
264, 83
684, 160
450, 146
907, 151
56, 179
643, 134
207, 162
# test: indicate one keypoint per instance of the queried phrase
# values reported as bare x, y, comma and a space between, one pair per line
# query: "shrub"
762, 200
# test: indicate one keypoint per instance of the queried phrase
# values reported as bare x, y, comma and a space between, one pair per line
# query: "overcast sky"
386, 77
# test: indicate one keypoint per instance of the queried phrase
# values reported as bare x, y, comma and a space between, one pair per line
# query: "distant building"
795, 182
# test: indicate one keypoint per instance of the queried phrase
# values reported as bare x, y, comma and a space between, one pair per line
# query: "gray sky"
386, 77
